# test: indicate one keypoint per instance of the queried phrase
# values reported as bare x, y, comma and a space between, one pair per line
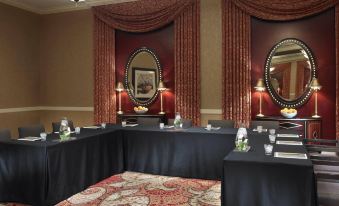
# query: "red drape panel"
236, 93
143, 16
104, 73
187, 63
236, 45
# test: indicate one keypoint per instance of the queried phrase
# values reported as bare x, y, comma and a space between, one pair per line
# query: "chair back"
222, 123
265, 124
56, 125
33, 130
5, 134
148, 121
186, 123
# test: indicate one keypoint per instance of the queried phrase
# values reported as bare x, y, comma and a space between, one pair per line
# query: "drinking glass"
103, 125
271, 131
209, 127
123, 123
259, 128
162, 125
77, 130
272, 138
268, 149
43, 136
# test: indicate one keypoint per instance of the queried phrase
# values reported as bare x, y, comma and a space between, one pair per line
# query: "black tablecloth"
44, 173
193, 152
256, 179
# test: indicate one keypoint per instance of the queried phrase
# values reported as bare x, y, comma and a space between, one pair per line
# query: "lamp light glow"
120, 88
260, 87
161, 89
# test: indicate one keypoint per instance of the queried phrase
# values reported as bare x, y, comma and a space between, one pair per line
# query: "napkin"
289, 142
91, 127
131, 125
288, 135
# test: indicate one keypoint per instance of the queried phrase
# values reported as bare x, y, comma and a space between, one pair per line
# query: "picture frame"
144, 82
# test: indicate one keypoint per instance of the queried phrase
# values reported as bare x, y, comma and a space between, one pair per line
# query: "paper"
290, 155
168, 127
131, 125
263, 130
288, 135
213, 128
58, 132
31, 139
289, 142
91, 127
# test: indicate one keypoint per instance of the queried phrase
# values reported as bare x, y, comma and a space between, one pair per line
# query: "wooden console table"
133, 117
307, 127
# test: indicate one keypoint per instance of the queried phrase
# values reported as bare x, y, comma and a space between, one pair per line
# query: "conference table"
47, 172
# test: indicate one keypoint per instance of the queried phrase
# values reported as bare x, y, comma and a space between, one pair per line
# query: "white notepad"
290, 155
92, 127
131, 125
289, 142
288, 135
214, 128
30, 139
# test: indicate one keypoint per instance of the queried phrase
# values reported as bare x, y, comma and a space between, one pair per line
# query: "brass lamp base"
161, 112
316, 116
120, 112
260, 115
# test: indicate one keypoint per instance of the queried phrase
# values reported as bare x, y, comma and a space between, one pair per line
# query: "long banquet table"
46, 172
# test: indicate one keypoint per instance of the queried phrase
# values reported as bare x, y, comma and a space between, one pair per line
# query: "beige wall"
47, 60
19, 66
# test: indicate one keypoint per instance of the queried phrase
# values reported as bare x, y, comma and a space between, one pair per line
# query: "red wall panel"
162, 43
318, 33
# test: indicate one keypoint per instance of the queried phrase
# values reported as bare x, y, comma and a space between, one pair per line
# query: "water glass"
268, 149
123, 123
103, 125
209, 127
272, 138
43, 136
77, 130
162, 125
271, 131
259, 128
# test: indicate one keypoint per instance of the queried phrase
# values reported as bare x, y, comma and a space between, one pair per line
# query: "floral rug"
137, 189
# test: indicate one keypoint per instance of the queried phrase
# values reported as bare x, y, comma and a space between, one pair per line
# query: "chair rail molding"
211, 111
46, 108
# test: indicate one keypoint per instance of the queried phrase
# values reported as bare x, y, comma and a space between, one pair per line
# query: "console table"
307, 127
133, 117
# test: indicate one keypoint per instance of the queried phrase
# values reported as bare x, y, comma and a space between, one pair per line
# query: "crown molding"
71, 7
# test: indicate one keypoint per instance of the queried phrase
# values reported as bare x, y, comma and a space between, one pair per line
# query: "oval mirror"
289, 70
142, 76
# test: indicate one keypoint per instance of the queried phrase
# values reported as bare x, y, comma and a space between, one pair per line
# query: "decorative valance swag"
144, 16
236, 51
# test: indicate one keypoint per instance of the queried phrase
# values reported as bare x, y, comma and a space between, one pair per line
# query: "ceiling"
56, 6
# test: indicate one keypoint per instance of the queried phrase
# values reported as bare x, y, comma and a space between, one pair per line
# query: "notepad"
131, 125
30, 139
168, 127
58, 132
289, 142
288, 135
263, 130
213, 128
290, 155
92, 127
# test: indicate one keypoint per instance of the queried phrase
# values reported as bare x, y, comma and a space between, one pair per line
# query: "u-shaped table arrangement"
47, 172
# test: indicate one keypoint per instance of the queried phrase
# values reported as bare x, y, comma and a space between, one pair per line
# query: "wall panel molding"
211, 111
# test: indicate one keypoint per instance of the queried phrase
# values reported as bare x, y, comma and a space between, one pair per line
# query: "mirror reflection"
290, 71
142, 76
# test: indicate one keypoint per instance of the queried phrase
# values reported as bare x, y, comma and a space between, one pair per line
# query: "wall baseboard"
79, 109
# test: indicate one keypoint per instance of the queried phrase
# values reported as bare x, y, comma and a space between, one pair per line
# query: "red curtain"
337, 67
144, 16
236, 53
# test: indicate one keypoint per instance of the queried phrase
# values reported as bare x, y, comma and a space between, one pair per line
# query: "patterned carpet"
137, 189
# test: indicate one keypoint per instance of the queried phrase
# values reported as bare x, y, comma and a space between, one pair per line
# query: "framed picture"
144, 82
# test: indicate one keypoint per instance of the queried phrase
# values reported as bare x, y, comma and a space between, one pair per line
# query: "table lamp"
161, 89
260, 87
316, 87
120, 88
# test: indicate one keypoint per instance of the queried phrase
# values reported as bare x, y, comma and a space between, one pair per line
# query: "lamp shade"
161, 86
120, 87
260, 86
315, 84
